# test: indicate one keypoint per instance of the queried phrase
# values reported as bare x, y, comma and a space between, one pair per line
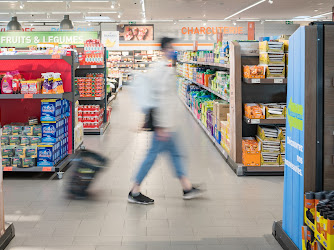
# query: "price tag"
56, 56
47, 169
278, 80
7, 168
256, 80
94, 66
28, 96
255, 121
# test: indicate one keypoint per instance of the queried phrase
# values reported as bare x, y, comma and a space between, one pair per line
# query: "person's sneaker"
192, 194
140, 199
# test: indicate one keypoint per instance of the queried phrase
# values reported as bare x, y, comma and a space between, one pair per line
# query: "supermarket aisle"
236, 213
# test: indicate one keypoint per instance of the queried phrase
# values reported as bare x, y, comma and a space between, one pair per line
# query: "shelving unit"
207, 88
245, 91
81, 71
226, 66
19, 112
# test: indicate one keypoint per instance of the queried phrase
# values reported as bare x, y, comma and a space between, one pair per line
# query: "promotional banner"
110, 39
293, 202
137, 32
24, 39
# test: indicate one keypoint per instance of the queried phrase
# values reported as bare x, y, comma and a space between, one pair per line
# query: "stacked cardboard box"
225, 133
251, 154
269, 139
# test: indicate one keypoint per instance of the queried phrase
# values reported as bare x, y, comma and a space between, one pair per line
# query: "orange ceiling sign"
211, 30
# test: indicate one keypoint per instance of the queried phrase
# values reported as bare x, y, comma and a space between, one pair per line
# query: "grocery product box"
51, 109
47, 154
254, 111
270, 159
282, 147
274, 72
269, 146
272, 58
254, 71
275, 110
268, 133
251, 155
267, 46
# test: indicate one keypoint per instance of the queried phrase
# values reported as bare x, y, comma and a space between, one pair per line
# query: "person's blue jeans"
158, 147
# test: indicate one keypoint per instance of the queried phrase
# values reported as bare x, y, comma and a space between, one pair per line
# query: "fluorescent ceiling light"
8, 1
277, 20
247, 8
30, 13
4, 13
216, 20
248, 20
66, 12
321, 15
101, 12
90, 1
301, 17
46, 1
191, 20
99, 19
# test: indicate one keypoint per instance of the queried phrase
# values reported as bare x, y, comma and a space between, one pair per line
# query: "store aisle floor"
235, 213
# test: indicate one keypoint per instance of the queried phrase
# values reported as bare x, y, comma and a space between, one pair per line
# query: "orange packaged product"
254, 71
255, 111
251, 154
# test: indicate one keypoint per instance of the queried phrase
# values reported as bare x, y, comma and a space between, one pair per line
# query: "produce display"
91, 86
14, 83
32, 144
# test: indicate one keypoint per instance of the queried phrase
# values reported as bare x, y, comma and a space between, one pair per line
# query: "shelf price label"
278, 80
94, 66
256, 80
7, 168
255, 121
28, 96
47, 169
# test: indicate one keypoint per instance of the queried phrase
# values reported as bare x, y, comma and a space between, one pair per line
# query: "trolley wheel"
82, 147
60, 175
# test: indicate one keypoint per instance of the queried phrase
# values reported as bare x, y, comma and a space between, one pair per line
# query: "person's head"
167, 47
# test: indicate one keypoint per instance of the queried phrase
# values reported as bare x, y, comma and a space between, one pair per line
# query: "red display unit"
19, 107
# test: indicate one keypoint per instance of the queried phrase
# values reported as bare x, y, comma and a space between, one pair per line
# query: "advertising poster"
110, 39
293, 203
137, 32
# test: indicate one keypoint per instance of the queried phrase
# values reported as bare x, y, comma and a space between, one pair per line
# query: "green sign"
24, 39
288, 22
132, 22
295, 115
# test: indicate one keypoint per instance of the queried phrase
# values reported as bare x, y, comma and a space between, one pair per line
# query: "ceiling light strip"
90, 1
102, 12
321, 15
247, 8
64, 12
46, 1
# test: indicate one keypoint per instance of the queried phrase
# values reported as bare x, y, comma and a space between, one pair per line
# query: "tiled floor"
236, 212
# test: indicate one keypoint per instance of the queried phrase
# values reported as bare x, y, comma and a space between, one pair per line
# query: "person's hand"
162, 134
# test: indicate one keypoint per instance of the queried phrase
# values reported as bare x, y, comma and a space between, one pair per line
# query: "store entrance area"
235, 212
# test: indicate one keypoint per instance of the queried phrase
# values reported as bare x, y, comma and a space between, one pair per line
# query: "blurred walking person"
160, 99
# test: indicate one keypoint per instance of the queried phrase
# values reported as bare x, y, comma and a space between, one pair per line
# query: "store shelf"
67, 96
33, 57
96, 131
207, 88
91, 98
265, 81
90, 67
265, 121
62, 164
227, 66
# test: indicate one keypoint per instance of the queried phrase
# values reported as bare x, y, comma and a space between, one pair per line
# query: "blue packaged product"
50, 132
50, 110
46, 155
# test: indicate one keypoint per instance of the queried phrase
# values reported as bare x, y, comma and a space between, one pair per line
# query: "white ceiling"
167, 9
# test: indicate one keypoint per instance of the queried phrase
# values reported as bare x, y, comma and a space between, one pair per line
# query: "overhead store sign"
110, 39
24, 39
212, 30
